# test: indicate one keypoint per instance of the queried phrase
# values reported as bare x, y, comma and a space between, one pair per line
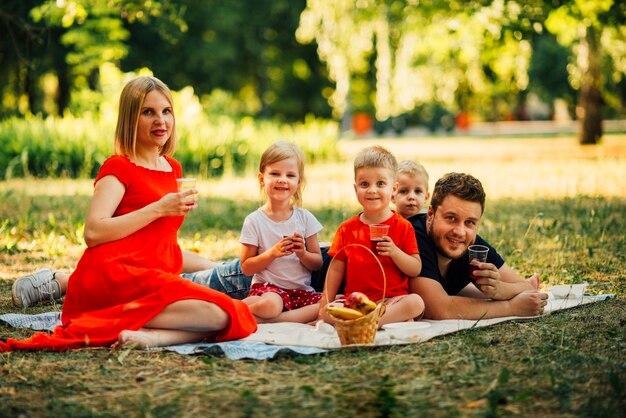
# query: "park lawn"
552, 206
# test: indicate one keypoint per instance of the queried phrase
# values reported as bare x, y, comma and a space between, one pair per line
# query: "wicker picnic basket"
361, 330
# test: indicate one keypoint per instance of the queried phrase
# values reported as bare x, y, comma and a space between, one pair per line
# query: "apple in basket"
359, 302
355, 306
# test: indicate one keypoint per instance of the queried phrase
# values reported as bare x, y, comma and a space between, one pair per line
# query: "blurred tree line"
243, 52
424, 61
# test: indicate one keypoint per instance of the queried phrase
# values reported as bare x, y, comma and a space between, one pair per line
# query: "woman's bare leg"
190, 315
149, 337
184, 321
63, 279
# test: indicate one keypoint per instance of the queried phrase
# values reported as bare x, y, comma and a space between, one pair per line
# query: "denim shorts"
225, 277
228, 278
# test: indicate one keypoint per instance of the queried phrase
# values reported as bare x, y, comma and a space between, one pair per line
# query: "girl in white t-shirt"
279, 242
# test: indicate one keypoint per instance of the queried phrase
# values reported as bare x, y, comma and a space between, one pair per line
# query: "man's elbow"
437, 310
435, 314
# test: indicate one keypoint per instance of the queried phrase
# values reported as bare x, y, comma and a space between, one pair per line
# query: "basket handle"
375, 258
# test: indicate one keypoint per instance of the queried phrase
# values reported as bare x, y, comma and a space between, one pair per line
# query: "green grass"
555, 208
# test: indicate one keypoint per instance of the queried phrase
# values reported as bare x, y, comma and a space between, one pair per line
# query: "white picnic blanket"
323, 335
270, 339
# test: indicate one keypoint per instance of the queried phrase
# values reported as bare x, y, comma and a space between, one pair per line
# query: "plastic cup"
377, 232
186, 184
477, 254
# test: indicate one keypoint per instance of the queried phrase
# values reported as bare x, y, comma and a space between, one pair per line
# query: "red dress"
121, 285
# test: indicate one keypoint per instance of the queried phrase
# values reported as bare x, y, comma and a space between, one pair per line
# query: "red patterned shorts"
292, 298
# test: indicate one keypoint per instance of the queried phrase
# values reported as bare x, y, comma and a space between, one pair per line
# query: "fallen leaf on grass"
478, 404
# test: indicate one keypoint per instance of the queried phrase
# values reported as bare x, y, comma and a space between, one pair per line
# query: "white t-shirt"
285, 272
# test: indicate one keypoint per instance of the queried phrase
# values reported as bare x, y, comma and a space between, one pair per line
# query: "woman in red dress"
126, 288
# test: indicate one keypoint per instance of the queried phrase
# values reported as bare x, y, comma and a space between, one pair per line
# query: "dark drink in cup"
377, 234
473, 268
374, 242
477, 254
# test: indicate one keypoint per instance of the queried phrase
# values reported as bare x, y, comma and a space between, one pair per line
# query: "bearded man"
444, 234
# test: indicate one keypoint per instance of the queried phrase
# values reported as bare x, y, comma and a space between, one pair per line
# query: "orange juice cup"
186, 184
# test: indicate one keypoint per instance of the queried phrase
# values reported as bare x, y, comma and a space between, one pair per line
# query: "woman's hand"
178, 204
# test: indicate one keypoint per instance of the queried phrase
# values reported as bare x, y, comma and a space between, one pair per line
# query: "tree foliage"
466, 54
285, 59
246, 49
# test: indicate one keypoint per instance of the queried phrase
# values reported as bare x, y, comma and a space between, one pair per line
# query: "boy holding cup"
375, 171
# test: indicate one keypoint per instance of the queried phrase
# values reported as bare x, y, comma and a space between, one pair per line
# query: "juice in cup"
477, 254
185, 184
377, 232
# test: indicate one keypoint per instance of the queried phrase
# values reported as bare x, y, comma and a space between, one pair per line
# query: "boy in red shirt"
375, 171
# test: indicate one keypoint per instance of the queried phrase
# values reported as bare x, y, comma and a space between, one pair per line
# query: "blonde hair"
412, 169
279, 151
375, 157
131, 100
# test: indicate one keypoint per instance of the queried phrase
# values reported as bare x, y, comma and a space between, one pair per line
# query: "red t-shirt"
363, 274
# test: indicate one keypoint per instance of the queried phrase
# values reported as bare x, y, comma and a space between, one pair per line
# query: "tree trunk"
383, 70
63, 92
29, 89
590, 96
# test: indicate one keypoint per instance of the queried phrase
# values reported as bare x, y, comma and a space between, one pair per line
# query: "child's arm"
310, 254
334, 276
252, 262
411, 265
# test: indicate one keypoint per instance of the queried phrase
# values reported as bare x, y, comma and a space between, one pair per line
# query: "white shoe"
31, 289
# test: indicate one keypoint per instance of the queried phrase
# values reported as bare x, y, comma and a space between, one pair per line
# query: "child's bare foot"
140, 339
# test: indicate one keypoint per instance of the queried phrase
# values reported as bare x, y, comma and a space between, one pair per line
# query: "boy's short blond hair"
375, 157
412, 169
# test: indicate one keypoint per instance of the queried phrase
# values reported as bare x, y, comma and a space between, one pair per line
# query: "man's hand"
491, 282
529, 303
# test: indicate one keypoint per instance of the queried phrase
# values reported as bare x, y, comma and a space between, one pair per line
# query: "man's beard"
440, 251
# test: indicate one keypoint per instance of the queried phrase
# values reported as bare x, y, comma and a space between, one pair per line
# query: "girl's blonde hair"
281, 150
131, 100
